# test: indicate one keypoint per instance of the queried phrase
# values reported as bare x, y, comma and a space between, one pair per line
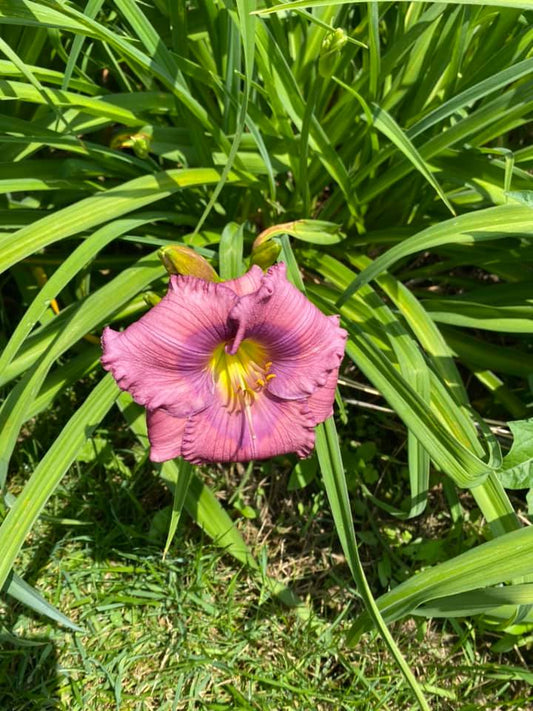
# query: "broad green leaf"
449, 454
283, 7
68, 18
501, 391
76, 261
29, 75
246, 24
313, 231
274, 64
92, 312
477, 602
50, 76
63, 376
25, 132
385, 123
523, 197
293, 271
517, 469
484, 316
332, 469
106, 108
475, 127
412, 366
150, 39
374, 49
231, 251
499, 358
91, 10
422, 326
330, 460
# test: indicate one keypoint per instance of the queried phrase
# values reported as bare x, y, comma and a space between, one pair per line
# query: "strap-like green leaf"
283, 7
471, 228
502, 559
50, 470
19, 589
93, 211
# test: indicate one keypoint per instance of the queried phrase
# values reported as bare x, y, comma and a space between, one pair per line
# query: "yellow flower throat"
242, 376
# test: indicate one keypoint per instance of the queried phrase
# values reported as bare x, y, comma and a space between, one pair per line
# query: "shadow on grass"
118, 508
28, 672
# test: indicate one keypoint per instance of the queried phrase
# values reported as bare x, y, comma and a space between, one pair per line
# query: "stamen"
241, 375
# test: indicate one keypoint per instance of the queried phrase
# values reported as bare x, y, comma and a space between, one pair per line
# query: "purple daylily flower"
230, 371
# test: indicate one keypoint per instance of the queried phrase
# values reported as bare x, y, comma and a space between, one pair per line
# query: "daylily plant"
230, 371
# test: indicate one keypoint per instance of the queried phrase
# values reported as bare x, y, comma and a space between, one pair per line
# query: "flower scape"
231, 371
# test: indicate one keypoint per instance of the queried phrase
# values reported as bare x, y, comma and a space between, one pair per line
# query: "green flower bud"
178, 259
139, 142
151, 298
330, 52
265, 254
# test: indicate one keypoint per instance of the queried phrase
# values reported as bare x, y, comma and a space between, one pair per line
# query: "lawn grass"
195, 630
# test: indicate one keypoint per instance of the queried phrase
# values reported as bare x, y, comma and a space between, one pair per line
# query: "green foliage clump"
381, 150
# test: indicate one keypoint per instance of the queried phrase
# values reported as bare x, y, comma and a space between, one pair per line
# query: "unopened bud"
178, 259
151, 298
139, 142
265, 254
314, 231
330, 52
